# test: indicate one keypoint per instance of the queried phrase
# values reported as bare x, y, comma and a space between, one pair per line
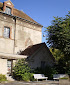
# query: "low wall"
64, 82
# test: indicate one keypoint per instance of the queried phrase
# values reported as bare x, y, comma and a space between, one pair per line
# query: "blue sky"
43, 11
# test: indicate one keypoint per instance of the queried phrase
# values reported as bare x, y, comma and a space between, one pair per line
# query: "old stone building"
18, 31
38, 56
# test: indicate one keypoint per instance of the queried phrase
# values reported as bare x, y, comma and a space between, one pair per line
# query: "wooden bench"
58, 76
39, 76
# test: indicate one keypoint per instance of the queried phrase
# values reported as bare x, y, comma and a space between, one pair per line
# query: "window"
6, 32
8, 10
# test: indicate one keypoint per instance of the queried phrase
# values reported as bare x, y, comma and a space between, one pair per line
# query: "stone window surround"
6, 5
10, 32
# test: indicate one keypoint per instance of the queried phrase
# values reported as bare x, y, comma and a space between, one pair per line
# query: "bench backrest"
59, 75
38, 76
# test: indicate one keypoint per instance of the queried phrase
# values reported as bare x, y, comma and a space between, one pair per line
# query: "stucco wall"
41, 55
3, 66
6, 44
26, 34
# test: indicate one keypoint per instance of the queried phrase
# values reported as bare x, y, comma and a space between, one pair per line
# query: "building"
38, 56
18, 31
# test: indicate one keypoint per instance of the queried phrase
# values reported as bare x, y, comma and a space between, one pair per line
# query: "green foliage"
27, 77
68, 71
59, 41
22, 71
64, 78
47, 71
2, 78
57, 54
59, 34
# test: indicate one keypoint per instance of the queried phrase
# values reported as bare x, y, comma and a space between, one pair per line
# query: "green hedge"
2, 78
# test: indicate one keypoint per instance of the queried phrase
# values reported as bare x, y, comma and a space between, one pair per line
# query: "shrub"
64, 78
68, 71
22, 71
27, 77
2, 78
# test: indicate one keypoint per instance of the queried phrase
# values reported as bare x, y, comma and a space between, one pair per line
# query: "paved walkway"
32, 83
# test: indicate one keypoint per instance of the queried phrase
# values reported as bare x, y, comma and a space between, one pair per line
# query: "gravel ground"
31, 83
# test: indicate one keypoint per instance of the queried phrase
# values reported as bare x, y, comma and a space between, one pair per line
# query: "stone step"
9, 78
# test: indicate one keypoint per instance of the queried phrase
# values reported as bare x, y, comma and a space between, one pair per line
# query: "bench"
58, 76
39, 76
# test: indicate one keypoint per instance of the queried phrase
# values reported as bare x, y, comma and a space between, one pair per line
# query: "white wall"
3, 66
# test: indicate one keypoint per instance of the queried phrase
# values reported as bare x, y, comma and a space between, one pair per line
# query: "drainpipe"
14, 35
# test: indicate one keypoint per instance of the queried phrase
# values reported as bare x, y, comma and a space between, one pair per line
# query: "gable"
43, 52
9, 2
33, 50
18, 13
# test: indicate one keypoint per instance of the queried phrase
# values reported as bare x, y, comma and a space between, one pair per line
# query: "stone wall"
6, 44
40, 56
26, 35
22, 34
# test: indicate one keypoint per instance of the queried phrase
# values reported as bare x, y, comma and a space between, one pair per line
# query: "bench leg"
46, 79
37, 80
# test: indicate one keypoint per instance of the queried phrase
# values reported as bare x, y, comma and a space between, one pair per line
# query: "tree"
57, 54
59, 37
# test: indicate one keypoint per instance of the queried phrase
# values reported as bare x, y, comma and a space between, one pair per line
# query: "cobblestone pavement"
31, 83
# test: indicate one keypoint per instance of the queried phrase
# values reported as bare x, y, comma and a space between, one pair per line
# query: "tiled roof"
20, 14
34, 48
31, 49
1, 6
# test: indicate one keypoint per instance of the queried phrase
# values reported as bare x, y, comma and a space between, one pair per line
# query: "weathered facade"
22, 34
17, 32
38, 56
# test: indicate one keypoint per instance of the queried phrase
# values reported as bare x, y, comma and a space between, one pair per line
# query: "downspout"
14, 34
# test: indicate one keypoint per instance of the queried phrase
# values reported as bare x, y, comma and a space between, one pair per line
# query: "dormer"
8, 7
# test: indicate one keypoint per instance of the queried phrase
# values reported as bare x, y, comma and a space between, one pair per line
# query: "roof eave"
22, 19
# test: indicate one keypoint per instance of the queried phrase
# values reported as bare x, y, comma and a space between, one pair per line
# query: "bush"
27, 77
64, 78
22, 71
2, 78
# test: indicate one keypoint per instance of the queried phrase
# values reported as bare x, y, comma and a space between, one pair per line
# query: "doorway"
9, 67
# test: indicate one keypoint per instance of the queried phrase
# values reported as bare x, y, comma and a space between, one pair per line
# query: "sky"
43, 11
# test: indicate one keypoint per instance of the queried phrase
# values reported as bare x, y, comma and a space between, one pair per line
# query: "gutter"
22, 19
